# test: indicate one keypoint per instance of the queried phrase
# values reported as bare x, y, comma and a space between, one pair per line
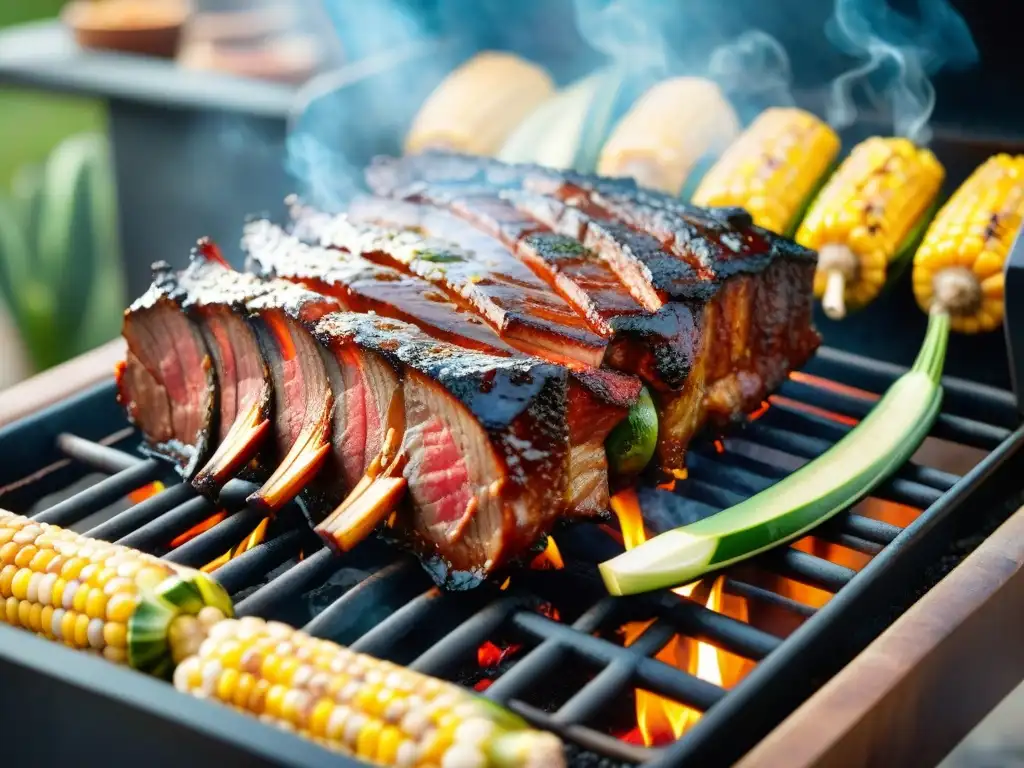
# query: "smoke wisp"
899, 54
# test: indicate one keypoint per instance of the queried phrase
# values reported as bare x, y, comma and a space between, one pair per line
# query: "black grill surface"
74, 464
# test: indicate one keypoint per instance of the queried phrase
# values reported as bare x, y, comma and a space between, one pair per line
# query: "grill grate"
390, 609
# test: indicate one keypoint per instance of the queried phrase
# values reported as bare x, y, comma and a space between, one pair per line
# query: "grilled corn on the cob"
867, 218
773, 169
356, 704
130, 607
959, 266
667, 131
479, 104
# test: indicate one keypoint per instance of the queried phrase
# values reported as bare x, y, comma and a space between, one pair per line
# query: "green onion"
630, 446
885, 439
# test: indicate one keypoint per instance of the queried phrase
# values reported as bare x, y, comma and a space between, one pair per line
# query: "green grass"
33, 123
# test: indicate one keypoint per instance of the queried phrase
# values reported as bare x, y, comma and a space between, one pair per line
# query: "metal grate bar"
915, 473
217, 540
144, 512
162, 530
379, 640
100, 457
442, 657
835, 536
867, 528
807, 569
339, 615
289, 584
543, 659
976, 434
611, 681
104, 493
964, 398
587, 738
251, 566
725, 632
752, 592
656, 676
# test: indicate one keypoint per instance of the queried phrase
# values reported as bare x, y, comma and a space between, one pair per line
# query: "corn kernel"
24, 614
243, 690
24, 555
115, 633
67, 626
258, 696
41, 560
321, 714
121, 606
387, 745
116, 655
73, 568
226, 685
274, 700
81, 635
96, 603
369, 735
20, 582
46, 620
6, 579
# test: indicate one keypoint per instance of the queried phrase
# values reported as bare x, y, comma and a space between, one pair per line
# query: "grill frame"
775, 687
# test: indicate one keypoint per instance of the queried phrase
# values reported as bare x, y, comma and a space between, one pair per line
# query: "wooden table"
59, 382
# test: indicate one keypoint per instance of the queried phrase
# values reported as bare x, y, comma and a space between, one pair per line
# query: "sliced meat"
736, 297
523, 309
167, 382
303, 397
485, 441
363, 286
717, 243
608, 395
272, 371
370, 405
656, 347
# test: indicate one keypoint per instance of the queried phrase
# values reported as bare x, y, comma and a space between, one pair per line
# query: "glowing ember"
505, 583
490, 655
661, 720
195, 530
834, 386
814, 410
145, 492
549, 558
719, 446
761, 411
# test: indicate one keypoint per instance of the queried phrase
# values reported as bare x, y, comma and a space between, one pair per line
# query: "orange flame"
258, 536
145, 492
202, 527
661, 720
550, 558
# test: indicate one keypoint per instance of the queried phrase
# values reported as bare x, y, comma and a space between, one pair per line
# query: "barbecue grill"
74, 462
561, 662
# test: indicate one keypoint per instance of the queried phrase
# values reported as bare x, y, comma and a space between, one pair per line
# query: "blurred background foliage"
39, 326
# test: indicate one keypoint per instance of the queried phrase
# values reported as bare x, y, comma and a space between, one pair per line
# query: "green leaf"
67, 237
27, 195
15, 259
